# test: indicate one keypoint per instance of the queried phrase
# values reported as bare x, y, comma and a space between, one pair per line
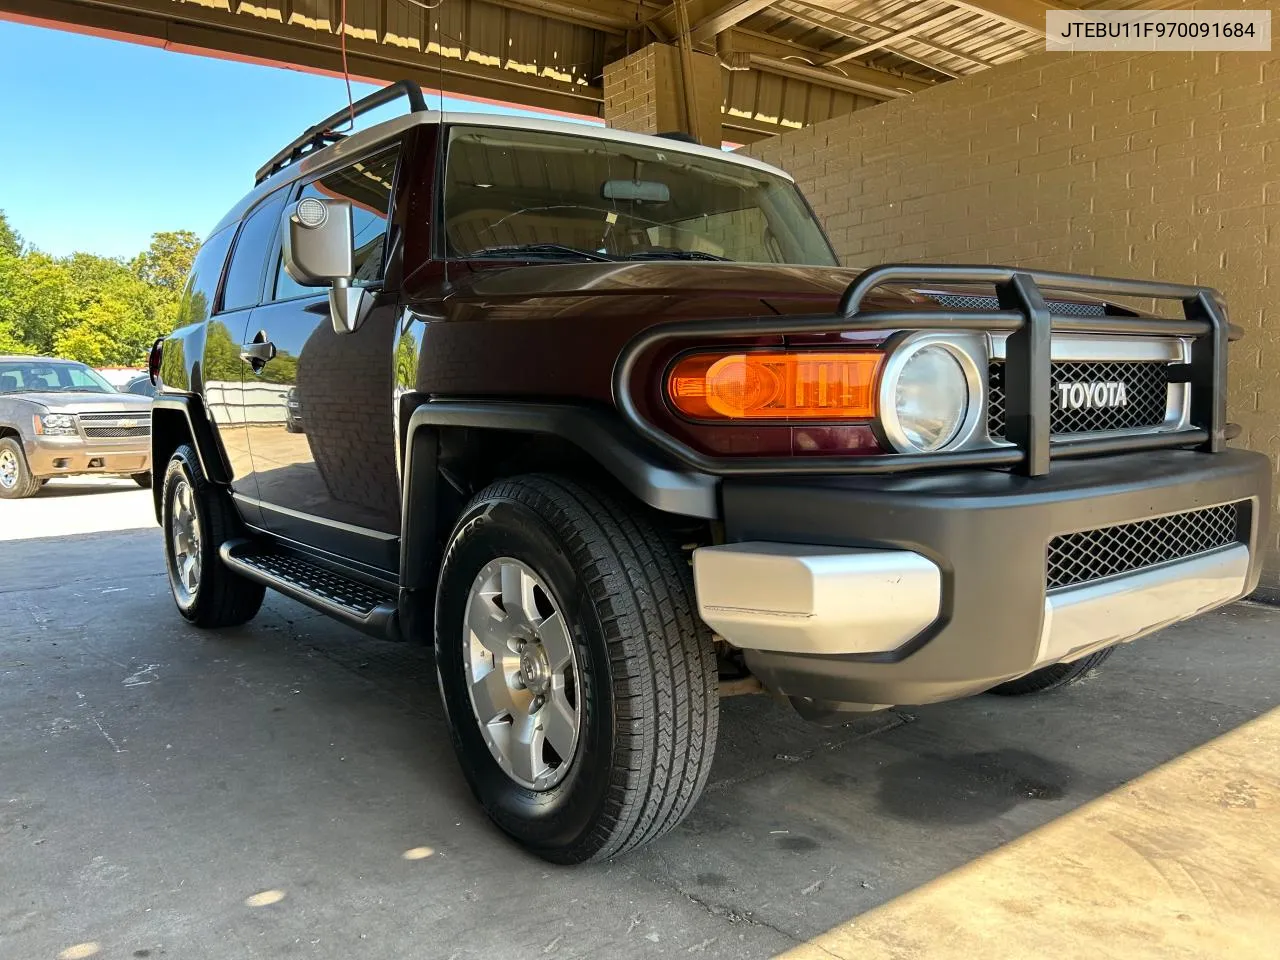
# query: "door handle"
258, 352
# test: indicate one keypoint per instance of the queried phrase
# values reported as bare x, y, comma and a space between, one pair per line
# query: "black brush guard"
1025, 317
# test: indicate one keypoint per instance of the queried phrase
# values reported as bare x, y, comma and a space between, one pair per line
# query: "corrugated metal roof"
788, 63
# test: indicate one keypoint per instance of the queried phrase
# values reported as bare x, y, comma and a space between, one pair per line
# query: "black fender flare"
646, 474
213, 461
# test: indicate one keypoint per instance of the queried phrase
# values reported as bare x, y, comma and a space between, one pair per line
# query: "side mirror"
319, 250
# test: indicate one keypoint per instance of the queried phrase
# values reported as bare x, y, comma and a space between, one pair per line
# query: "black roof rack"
322, 134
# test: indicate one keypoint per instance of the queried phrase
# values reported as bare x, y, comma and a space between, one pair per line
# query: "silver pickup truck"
60, 418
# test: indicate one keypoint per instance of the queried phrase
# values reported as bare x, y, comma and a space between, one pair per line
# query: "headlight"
55, 425
927, 395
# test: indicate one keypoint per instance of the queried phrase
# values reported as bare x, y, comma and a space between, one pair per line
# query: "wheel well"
471, 459
9, 432
169, 430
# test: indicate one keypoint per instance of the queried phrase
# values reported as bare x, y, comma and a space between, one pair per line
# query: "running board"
357, 604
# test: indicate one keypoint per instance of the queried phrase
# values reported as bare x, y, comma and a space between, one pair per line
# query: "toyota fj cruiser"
601, 416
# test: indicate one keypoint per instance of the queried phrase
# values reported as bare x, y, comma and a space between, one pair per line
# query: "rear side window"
248, 262
368, 185
202, 284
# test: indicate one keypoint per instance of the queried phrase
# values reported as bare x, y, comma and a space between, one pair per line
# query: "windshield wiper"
675, 255
539, 249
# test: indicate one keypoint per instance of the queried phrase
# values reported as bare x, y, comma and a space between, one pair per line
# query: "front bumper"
68, 456
914, 589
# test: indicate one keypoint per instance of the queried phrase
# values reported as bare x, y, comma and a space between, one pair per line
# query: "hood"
74, 402
669, 290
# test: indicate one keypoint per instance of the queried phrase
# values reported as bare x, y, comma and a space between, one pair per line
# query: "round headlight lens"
930, 398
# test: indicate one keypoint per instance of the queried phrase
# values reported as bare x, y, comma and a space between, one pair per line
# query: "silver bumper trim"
793, 598
1082, 619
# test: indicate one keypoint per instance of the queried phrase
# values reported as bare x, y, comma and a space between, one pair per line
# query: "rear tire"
645, 675
206, 591
143, 479
16, 481
1051, 677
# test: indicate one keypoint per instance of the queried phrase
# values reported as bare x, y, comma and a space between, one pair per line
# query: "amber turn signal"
773, 385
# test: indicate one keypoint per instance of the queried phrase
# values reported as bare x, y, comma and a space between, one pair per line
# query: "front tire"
16, 481
544, 574
198, 518
1051, 677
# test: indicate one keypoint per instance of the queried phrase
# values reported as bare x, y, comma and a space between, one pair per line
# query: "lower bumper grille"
1076, 558
1146, 396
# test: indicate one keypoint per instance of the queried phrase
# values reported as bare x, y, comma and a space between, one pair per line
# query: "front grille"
1058, 308
1146, 389
114, 426
1076, 558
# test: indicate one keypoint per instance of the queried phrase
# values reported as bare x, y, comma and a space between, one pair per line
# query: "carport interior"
164, 787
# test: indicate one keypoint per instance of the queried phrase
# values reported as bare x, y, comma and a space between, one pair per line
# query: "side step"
357, 604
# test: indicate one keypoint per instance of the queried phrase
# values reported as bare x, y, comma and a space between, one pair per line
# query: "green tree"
10, 239
166, 263
99, 310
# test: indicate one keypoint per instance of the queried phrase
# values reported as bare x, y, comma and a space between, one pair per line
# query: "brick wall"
643, 93
1147, 165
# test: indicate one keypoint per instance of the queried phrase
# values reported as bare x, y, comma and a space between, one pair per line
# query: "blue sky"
104, 143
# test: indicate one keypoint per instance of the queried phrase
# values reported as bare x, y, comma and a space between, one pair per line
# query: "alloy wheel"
184, 535
8, 469
522, 674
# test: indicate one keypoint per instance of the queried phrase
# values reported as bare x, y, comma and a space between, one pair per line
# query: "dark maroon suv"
601, 417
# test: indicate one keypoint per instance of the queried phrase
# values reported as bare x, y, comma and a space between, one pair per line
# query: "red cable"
346, 74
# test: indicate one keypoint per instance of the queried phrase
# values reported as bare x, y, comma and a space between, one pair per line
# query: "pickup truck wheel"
1051, 677
199, 518
580, 686
143, 479
16, 482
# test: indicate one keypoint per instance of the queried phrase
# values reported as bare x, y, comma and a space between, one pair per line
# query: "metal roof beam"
842, 27
726, 16
868, 79
1028, 15
707, 18
897, 35
608, 16
828, 78
195, 29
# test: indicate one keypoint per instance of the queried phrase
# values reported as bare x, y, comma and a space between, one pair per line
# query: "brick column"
643, 93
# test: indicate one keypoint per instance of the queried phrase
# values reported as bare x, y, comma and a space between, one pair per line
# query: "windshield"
550, 195
41, 376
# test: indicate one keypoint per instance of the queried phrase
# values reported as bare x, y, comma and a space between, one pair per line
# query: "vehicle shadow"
72, 487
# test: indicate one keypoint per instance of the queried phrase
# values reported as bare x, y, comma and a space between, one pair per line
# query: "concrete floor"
287, 789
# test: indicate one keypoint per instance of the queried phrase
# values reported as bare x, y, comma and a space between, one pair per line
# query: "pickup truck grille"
110, 426
1146, 391
1076, 558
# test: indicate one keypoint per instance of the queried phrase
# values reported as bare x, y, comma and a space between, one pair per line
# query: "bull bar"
1025, 317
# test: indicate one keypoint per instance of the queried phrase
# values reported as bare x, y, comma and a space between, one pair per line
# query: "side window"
368, 185
202, 283
248, 261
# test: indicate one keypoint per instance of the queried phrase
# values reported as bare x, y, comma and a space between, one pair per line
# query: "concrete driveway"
288, 789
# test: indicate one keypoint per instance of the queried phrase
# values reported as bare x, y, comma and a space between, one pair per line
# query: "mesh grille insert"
1058, 308
1076, 558
1146, 393
116, 432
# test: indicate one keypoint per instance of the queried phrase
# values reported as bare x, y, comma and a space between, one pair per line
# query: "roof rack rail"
322, 134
